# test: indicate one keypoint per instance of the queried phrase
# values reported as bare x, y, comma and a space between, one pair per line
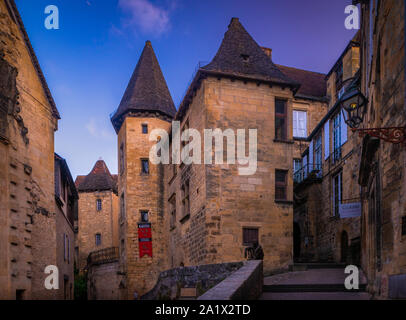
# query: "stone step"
316, 265
290, 288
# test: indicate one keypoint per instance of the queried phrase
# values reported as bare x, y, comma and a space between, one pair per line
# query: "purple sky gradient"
89, 60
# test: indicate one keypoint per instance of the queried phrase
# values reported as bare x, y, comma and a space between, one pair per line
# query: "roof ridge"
316, 72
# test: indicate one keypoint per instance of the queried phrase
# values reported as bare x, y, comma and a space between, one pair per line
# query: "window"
337, 137
172, 210
280, 184
299, 124
318, 154
339, 77
249, 236
144, 166
297, 166
122, 166
280, 119
144, 129
98, 239
185, 199
144, 216
122, 207
98, 204
65, 247
404, 226
337, 193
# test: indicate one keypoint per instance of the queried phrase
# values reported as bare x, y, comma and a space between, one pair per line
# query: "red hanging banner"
145, 239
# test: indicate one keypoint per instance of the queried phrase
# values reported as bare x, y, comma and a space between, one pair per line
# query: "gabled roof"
99, 179
312, 84
17, 18
147, 90
240, 55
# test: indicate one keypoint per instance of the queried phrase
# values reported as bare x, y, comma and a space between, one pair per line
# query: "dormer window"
245, 57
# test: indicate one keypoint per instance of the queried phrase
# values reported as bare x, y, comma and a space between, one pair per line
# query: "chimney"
267, 51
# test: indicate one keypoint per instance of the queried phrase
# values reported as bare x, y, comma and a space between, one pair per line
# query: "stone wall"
202, 277
141, 192
28, 228
92, 222
104, 281
244, 284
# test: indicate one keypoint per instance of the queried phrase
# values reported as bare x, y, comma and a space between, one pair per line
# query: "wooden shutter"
250, 236
311, 156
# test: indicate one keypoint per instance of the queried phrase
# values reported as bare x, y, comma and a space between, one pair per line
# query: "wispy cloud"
98, 131
145, 16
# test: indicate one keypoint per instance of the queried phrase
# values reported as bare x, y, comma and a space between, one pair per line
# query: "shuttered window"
250, 236
280, 120
299, 124
280, 184
326, 140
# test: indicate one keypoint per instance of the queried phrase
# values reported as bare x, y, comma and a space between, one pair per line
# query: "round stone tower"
145, 106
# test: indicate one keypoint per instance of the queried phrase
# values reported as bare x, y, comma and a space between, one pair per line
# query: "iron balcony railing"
311, 169
103, 256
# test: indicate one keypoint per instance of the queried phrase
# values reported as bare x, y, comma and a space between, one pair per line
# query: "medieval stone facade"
97, 213
31, 220
383, 167
200, 213
328, 177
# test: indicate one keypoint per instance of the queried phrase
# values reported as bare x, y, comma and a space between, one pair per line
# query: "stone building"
175, 215
66, 197
146, 105
328, 177
31, 218
97, 213
382, 154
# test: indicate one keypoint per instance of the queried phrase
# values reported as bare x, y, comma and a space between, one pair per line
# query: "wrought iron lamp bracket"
395, 135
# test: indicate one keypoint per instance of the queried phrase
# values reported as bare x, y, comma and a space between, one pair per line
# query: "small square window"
144, 166
144, 129
144, 216
250, 236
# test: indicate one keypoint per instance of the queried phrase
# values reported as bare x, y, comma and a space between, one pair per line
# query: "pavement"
312, 284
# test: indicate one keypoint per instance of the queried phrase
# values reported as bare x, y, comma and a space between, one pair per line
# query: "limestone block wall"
92, 222
104, 281
249, 201
28, 187
141, 192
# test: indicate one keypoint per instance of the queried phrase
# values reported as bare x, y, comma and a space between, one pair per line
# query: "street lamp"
354, 104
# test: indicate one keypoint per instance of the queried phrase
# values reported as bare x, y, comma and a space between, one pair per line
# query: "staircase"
313, 281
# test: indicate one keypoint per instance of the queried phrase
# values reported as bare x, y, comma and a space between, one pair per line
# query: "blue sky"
89, 60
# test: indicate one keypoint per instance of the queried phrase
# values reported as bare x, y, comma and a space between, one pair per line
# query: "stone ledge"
244, 284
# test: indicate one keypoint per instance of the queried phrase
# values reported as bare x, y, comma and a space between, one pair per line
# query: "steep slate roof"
147, 90
240, 55
99, 179
312, 84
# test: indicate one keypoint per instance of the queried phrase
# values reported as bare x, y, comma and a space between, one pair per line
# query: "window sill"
300, 138
284, 202
284, 141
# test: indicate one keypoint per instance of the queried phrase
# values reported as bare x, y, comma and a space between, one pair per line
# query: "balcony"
310, 170
103, 256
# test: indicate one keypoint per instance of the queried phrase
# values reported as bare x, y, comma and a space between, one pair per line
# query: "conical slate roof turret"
240, 55
147, 91
99, 179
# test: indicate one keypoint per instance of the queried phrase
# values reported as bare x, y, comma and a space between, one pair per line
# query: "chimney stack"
268, 52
